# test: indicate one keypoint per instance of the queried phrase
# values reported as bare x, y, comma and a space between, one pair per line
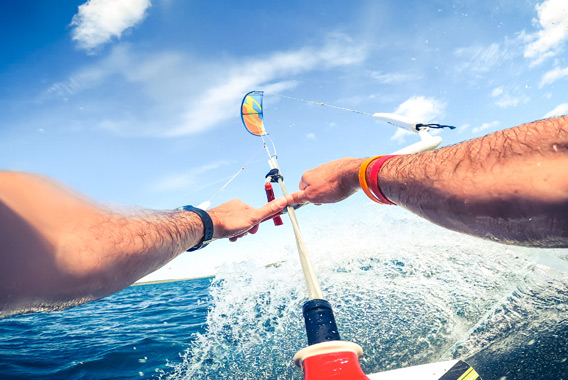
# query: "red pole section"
336, 360
270, 196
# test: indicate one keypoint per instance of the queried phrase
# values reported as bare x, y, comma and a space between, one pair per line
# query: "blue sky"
137, 101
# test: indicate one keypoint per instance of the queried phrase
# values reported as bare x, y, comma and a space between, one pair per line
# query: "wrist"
207, 227
352, 173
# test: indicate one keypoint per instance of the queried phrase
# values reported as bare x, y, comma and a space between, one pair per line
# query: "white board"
449, 370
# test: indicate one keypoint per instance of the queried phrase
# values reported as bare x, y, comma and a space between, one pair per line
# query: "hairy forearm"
58, 249
510, 186
113, 250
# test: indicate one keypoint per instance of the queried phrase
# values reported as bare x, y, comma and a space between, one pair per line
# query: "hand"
235, 218
329, 183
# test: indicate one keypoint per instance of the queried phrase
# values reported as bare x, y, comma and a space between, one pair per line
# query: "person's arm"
510, 186
58, 249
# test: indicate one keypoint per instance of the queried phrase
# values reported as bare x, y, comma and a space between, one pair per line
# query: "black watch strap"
207, 227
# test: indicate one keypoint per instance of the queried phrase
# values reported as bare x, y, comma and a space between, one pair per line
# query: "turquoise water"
407, 299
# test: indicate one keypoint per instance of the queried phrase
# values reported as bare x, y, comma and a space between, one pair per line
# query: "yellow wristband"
363, 179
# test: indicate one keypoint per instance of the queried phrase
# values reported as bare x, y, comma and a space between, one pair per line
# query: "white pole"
314, 290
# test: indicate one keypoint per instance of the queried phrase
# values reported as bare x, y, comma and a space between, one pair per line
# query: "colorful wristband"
207, 227
363, 180
374, 179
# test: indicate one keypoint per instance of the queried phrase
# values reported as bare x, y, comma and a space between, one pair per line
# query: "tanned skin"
510, 186
59, 249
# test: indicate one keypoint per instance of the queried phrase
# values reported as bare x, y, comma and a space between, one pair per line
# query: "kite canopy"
251, 113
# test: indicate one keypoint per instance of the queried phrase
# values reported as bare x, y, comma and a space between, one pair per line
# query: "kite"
251, 113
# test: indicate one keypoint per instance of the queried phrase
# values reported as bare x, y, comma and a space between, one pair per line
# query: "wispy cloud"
159, 73
392, 78
480, 59
175, 94
86, 78
463, 128
187, 180
217, 103
485, 126
418, 108
549, 40
497, 91
560, 110
506, 100
98, 21
553, 75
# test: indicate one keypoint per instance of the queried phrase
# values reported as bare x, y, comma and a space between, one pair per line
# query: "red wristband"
374, 179
363, 180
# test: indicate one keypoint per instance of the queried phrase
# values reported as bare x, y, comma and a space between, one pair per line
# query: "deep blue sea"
406, 299
128, 335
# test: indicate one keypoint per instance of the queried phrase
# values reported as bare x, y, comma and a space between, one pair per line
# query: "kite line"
393, 119
252, 118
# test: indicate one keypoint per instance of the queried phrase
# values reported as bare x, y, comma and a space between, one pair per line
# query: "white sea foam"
407, 291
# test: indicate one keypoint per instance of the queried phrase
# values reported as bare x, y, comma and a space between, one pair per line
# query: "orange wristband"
363, 180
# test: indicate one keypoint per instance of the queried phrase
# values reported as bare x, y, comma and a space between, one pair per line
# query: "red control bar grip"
270, 196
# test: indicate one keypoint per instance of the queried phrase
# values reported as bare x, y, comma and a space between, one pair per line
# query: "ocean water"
408, 292
128, 335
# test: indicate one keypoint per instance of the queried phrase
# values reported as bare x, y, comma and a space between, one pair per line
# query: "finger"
303, 184
299, 197
271, 208
254, 229
235, 238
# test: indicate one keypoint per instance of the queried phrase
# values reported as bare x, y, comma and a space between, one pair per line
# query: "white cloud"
485, 126
549, 40
97, 21
497, 91
311, 136
420, 109
392, 78
553, 75
559, 110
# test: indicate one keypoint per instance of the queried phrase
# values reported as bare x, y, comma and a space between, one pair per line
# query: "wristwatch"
207, 227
